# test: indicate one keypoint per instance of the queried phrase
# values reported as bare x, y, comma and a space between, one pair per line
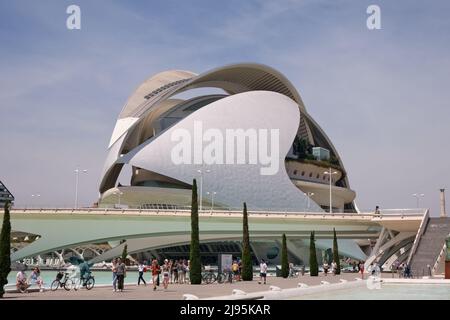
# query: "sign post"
225, 262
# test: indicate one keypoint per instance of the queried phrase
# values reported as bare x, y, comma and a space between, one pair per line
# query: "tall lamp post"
118, 193
201, 171
77, 173
35, 196
309, 195
418, 196
212, 199
330, 173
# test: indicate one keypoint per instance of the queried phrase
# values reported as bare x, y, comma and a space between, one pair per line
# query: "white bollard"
274, 288
238, 292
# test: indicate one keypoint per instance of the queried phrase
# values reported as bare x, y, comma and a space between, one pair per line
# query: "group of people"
119, 271
358, 267
172, 271
23, 282
403, 269
326, 268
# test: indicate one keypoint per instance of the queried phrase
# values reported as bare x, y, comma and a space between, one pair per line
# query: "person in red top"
361, 269
155, 272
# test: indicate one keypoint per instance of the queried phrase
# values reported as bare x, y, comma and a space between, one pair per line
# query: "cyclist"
84, 271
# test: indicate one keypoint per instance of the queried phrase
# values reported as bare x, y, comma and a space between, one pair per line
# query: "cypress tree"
5, 250
313, 266
284, 258
124, 253
195, 271
336, 253
247, 266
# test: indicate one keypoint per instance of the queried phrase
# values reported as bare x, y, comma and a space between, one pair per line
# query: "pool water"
386, 292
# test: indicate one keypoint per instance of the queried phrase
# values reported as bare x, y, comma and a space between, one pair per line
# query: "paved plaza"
176, 291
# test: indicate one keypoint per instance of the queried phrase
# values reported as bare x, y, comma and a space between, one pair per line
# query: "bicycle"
222, 277
88, 281
209, 277
62, 281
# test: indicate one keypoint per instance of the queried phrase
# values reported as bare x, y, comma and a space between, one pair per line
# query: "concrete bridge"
152, 229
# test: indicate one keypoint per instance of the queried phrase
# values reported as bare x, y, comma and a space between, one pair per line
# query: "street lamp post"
330, 173
212, 199
77, 173
37, 196
119, 194
418, 196
201, 185
308, 195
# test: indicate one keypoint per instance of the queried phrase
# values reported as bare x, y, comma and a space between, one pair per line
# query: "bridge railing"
387, 213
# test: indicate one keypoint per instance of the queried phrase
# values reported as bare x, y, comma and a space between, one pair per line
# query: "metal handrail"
419, 234
441, 253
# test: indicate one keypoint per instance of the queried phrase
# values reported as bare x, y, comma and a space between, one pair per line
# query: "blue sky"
382, 96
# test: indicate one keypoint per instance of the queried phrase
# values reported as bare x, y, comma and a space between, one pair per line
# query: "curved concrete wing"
136, 105
268, 118
242, 77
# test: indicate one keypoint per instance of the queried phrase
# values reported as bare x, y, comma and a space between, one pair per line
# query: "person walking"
377, 210
334, 267
262, 271
325, 268
361, 269
155, 273
141, 270
121, 273
175, 271
166, 273
407, 271
235, 269
291, 270
188, 268
239, 269
181, 271
114, 273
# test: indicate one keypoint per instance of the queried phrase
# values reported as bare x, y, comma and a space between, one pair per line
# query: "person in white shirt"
141, 269
334, 267
262, 271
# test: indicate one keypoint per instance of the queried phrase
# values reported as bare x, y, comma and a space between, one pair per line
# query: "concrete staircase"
430, 246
